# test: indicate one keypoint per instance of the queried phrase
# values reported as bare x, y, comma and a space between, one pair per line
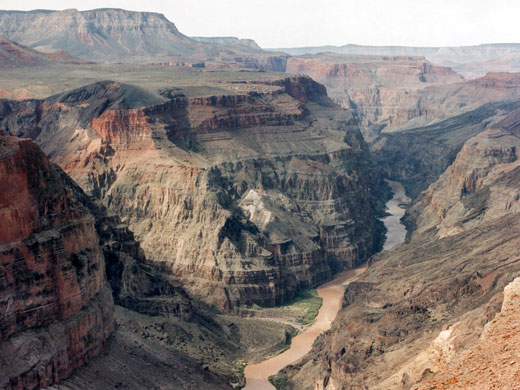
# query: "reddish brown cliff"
56, 305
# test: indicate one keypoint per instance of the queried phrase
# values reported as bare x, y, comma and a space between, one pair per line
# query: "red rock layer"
56, 306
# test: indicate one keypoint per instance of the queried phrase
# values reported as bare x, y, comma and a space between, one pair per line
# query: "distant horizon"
299, 24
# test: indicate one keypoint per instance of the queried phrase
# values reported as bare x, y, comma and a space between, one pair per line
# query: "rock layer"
244, 198
57, 308
420, 315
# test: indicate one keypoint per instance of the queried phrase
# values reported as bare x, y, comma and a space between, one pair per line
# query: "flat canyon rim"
257, 375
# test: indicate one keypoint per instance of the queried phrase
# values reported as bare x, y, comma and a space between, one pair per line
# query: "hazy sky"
291, 23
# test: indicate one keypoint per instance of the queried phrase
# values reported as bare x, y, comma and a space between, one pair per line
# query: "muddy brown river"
332, 294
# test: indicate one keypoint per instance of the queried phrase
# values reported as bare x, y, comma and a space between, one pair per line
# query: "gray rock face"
98, 34
438, 55
109, 35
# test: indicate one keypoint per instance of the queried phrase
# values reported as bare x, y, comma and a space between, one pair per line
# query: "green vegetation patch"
301, 309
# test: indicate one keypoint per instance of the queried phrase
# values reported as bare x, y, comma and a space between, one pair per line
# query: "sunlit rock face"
424, 312
243, 197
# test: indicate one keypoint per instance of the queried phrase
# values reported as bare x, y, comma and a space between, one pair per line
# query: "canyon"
219, 173
173, 209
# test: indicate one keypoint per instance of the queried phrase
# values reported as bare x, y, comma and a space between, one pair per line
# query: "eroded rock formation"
420, 315
244, 197
55, 302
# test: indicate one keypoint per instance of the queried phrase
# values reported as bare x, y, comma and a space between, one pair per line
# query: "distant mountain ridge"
109, 35
438, 55
229, 41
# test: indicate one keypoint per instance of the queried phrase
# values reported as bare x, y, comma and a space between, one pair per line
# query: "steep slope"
15, 55
56, 304
116, 35
244, 197
417, 157
481, 184
423, 306
383, 92
57, 308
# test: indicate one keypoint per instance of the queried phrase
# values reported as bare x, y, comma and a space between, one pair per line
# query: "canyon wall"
389, 94
243, 198
420, 315
56, 304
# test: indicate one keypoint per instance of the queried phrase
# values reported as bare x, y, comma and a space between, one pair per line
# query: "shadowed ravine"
331, 293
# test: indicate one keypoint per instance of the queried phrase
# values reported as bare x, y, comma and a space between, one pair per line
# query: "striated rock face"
423, 313
379, 90
389, 94
417, 157
243, 197
115, 35
481, 184
56, 304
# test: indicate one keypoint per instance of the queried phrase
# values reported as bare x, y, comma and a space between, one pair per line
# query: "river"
332, 294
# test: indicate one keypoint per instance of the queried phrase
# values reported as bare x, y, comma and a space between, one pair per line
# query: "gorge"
200, 213
257, 375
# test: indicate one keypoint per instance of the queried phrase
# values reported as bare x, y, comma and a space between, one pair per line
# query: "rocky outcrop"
56, 304
480, 185
243, 198
492, 360
115, 35
379, 90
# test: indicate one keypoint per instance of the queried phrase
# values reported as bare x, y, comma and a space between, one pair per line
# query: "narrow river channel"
331, 293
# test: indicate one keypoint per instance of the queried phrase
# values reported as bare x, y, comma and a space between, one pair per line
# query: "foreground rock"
244, 197
56, 304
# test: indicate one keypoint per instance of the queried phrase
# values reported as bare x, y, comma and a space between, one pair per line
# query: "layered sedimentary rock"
56, 304
421, 314
116, 35
389, 94
417, 157
381, 91
243, 197
481, 184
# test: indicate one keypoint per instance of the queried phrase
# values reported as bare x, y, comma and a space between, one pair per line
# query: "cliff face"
57, 308
427, 325
381, 91
417, 157
108, 35
389, 94
244, 197
480, 185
